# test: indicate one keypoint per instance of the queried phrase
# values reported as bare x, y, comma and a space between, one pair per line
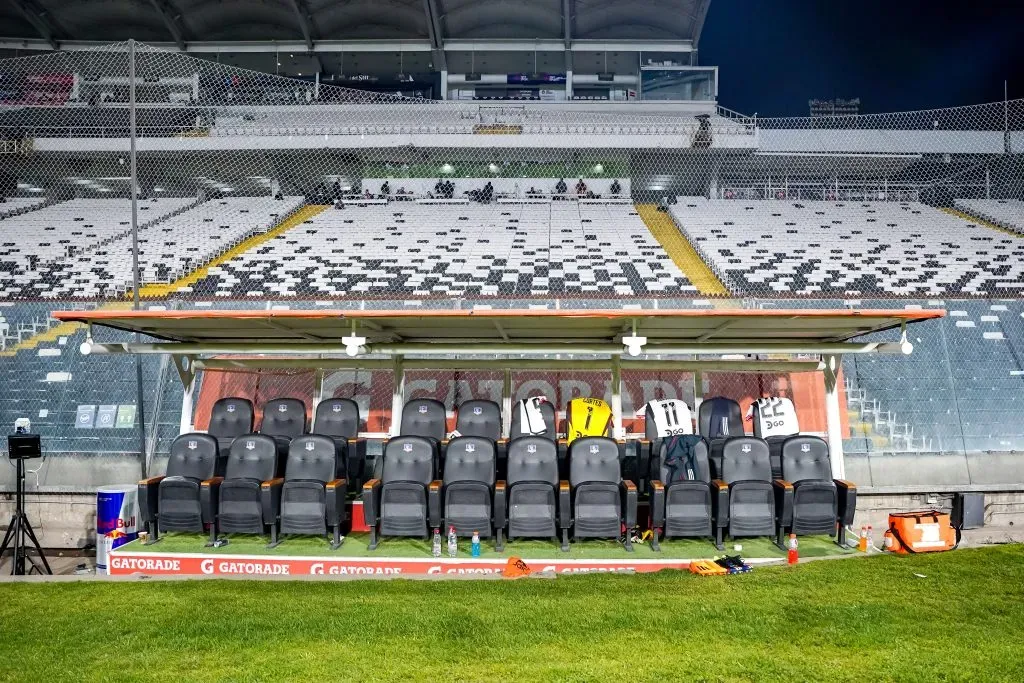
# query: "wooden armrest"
336, 483
499, 485
210, 482
628, 483
353, 440
847, 484
719, 484
151, 480
782, 483
370, 485
658, 486
563, 485
270, 483
435, 485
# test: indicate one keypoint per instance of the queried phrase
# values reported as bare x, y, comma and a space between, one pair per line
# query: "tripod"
19, 533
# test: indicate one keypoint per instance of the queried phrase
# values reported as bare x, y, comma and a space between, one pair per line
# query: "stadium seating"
172, 502
230, 417
36, 264
602, 501
396, 504
808, 499
338, 418
284, 419
839, 248
14, 206
547, 410
312, 496
690, 508
746, 470
533, 489
1008, 213
414, 250
472, 502
250, 481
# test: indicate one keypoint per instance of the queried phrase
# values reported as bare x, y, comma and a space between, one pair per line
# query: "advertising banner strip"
123, 563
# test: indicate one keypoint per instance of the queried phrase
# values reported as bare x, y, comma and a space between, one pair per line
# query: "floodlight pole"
134, 185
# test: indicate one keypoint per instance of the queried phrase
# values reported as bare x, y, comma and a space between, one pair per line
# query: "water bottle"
476, 544
453, 542
435, 548
862, 540
792, 556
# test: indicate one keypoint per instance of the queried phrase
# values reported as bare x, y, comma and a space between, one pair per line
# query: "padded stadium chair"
235, 503
311, 498
230, 417
547, 409
602, 501
718, 419
425, 417
650, 447
172, 502
283, 419
339, 419
532, 488
397, 503
810, 501
471, 499
686, 509
747, 474
483, 418
479, 418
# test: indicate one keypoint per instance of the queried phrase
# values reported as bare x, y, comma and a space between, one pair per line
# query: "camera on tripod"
20, 537
21, 445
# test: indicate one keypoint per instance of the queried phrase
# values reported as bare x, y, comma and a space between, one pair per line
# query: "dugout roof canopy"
580, 331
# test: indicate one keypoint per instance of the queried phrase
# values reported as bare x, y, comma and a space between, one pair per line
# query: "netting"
258, 191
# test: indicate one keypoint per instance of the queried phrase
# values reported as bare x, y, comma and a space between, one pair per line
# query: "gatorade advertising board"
587, 417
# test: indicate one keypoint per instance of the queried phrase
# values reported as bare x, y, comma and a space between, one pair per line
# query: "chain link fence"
249, 190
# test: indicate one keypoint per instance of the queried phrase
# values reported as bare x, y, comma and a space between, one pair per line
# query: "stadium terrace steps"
672, 240
295, 218
978, 220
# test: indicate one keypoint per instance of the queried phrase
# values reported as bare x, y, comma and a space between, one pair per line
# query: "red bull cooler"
116, 515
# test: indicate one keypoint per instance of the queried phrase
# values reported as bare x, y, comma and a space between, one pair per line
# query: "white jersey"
773, 416
671, 417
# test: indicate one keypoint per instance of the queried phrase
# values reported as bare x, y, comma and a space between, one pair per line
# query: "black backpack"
681, 458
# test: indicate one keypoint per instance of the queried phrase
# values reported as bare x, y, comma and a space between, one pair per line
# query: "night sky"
895, 55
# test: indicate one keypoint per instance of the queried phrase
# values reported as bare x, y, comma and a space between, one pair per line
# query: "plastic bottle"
453, 542
792, 556
862, 540
868, 539
475, 552
435, 546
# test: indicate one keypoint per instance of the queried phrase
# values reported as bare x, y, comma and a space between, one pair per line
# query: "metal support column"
833, 417
397, 395
506, 404
134, 190
618, 432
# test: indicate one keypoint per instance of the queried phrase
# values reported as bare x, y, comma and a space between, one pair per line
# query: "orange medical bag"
921, 532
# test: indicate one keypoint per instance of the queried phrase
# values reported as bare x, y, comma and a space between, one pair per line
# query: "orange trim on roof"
261, 314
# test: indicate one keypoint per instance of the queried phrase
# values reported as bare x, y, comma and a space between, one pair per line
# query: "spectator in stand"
449, 189
367, 194
561, 187
488, 193
581, 187
385, 189
336, 190
438, 188
279, 196
616, 188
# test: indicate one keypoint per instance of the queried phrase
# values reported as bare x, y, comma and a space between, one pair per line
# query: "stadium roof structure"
501, 332
394, 24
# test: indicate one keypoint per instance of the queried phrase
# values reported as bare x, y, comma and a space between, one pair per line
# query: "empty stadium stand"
176, 235
842, 248
13, 206
416, 250
1006, 213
